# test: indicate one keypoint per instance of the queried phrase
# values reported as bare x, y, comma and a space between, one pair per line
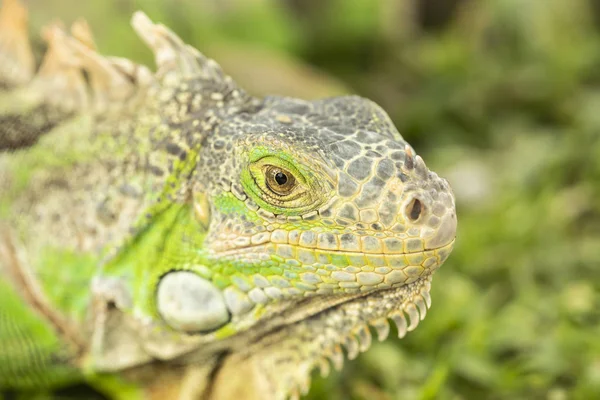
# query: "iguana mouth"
350, 242
408, 285
330, 271
274, 246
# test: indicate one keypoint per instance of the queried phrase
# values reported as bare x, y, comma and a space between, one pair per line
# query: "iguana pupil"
281, 178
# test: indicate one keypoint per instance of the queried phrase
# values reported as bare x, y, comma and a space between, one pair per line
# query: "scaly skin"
169, 235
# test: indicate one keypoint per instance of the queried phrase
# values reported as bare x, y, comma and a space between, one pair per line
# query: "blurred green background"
502, 97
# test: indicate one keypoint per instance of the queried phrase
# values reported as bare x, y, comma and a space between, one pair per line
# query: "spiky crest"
175, 60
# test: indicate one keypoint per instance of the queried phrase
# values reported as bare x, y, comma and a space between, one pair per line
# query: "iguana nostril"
414, 210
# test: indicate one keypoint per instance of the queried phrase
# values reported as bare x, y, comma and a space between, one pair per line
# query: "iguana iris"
169, 235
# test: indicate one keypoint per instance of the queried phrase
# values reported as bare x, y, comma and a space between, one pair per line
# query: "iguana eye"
282, 185
279, 181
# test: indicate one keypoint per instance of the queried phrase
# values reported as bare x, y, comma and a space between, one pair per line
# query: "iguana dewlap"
167, 234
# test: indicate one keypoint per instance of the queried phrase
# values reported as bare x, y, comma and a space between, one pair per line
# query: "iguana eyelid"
202, 209
303, 197
297, 191
277, 162
259, 170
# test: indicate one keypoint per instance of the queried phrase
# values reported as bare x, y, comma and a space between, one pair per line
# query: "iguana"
168, 235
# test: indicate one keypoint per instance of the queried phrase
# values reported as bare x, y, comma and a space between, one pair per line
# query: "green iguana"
168, 235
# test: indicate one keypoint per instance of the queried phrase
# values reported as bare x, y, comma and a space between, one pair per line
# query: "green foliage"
32, 355
503, 98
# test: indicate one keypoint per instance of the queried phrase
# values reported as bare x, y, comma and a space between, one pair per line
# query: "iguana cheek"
190, 303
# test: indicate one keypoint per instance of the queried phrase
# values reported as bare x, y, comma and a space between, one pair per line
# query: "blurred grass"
503, 98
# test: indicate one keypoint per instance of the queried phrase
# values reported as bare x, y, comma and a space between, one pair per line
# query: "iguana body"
170, 235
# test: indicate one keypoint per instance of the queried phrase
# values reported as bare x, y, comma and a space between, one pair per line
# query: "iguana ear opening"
202, 209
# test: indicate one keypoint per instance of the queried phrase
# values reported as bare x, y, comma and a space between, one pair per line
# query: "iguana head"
307, 199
